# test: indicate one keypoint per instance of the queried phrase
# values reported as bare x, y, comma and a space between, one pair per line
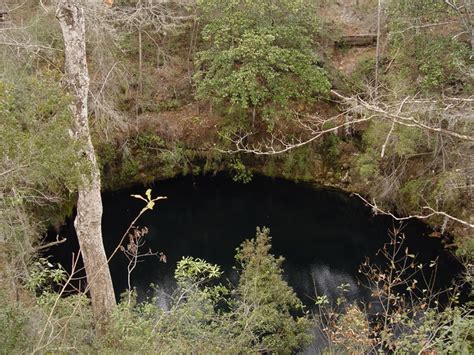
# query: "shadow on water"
323, 234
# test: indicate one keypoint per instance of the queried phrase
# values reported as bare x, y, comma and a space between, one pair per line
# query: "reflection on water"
323, 234
327, 282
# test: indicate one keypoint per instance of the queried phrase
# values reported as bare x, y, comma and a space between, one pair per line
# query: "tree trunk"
89, 204
377, 50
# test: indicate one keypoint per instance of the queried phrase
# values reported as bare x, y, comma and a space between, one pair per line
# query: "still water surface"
323, 234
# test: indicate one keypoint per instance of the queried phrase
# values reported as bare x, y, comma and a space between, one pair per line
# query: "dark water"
323, 234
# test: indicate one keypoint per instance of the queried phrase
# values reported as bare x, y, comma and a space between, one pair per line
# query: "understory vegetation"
258, 313
204, 315
270, 87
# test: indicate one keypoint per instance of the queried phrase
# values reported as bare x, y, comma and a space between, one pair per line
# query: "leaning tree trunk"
89, 203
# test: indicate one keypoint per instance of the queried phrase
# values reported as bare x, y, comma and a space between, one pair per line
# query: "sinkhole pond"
323, 234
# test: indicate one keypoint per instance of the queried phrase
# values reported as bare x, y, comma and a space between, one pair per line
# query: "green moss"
363, 73
367, 166
298, 163
408, 140
270, 167
330, 151
412, 193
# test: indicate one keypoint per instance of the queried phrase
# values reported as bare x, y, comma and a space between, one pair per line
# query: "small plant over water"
266, 300
42, 274
136, 240
260, 313
405, 313
240, 172
205, 316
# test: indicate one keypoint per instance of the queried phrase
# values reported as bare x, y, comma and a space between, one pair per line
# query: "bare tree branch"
409, 121
433, 212
278, 145
312, 127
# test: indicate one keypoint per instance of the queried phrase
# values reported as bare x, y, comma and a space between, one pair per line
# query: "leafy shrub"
265, 303
46, 321
240, 172
205, 316
440, 61
298, 164
367, 166
14, 325
259, 57
259, 314
42, 273
430, 58
363, 73
407, 316
331, 150
35, 132
40, 165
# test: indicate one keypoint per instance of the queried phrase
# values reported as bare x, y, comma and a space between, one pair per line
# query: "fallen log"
366, 40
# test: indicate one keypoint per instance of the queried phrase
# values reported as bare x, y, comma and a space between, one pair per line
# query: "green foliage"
363, 74
259, 314
412, 192
39, 162
452, 329
40, 171
429, 58
408, 141
193, 270
367, 166
68, 322
408, 322
440, 61
456, 332
299, 163
49, 323
434, 190
425, 11
412, 173
207, 317
404, 141
265, 302
240, 172
331, 150
148, 141
42, 274
144, 158
14, 325
130, 168
259, 57
168, 105
35, 136
130, 328
174, 160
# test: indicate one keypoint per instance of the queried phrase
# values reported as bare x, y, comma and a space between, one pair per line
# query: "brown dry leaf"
435, 234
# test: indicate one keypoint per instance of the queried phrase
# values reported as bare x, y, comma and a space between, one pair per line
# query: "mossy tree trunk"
89, 203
